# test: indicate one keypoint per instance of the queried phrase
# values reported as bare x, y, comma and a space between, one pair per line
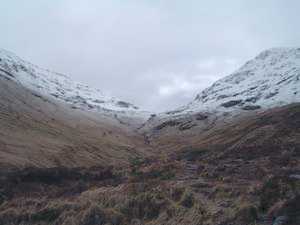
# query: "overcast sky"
157, 54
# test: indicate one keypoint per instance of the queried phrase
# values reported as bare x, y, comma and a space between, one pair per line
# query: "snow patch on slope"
269, 80
61, 87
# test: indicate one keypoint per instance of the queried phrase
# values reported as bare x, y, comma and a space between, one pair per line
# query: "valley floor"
245, 173
152, 191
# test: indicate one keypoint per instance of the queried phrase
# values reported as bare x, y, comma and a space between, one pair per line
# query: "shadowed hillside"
42, 132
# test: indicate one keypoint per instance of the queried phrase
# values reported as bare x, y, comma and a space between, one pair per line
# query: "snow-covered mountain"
270, 79
61, 87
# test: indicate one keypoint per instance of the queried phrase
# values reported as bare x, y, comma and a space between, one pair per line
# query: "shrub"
143, 206
176, 193
269, 194
247, 214
154, 171
277, 188
46, 215
114, 217
94, 215
135, 164
187, 199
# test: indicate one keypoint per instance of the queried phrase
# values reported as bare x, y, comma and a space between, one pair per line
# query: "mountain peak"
61, 87
270, 79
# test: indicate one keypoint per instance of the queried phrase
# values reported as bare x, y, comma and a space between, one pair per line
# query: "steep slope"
47, 120
271, 79
61, 87
36, 100
38, 132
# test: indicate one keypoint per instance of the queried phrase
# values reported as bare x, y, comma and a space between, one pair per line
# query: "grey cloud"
156, 54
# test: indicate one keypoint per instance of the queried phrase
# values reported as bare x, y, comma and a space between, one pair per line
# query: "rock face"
270, 79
